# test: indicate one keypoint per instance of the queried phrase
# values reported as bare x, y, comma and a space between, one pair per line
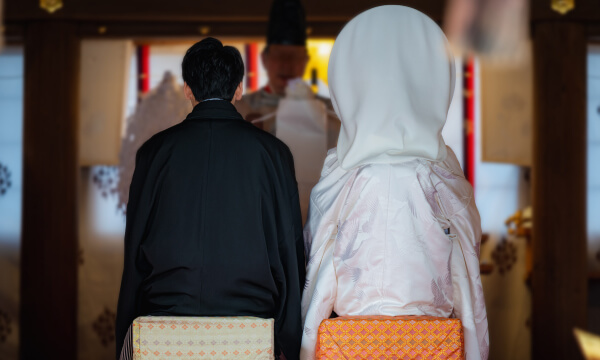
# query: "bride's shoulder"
331, 162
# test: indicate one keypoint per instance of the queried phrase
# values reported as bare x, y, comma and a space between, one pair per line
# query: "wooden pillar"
559, 189
49, 236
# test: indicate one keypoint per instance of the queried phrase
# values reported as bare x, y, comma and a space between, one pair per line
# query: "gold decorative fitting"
520, 223
51, 5
563, 6
102, 30
309, 30
204, 30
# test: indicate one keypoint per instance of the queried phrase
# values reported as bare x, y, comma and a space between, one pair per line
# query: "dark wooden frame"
559, 189
49, 247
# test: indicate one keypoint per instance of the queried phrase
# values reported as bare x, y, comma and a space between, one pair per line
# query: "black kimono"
214, 226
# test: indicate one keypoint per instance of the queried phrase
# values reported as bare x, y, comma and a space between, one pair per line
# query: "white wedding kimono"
376, 245
392, 227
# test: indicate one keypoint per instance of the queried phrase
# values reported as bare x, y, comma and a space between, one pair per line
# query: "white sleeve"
321, 282
469, 304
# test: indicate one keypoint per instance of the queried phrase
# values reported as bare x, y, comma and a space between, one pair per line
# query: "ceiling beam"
198, 11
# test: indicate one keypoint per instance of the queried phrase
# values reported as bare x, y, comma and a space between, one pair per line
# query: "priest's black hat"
287, 23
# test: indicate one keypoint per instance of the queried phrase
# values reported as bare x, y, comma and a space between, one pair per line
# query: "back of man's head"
212, 70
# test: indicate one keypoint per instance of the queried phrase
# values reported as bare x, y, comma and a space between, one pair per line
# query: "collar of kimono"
214, 110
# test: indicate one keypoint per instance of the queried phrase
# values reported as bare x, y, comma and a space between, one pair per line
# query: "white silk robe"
376, 245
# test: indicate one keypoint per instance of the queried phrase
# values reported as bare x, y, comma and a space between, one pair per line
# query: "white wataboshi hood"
391, 77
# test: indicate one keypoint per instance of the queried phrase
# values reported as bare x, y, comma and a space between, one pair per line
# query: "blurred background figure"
492, 28
304, 120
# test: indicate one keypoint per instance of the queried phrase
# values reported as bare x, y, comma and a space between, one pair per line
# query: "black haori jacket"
214, 226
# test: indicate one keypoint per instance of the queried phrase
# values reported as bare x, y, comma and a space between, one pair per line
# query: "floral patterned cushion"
390, 337
192, 338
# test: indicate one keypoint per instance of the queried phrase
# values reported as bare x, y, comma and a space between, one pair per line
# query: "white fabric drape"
508, 297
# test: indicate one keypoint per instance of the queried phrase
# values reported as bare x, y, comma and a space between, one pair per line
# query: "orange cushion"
390, 337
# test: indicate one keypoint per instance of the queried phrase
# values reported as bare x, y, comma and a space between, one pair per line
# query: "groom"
213, 220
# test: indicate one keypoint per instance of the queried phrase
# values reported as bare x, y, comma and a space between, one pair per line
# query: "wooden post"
49, 238
559, 189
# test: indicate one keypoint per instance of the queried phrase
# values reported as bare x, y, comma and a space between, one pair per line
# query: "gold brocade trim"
51, 5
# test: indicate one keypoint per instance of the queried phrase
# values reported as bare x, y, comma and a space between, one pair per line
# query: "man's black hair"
212, 70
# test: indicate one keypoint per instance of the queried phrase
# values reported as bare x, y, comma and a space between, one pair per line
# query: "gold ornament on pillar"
563, 6
51, 5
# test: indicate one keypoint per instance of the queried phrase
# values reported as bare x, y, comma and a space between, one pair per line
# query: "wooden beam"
186, 10
242, 10
49, 238
195, 30
559, 189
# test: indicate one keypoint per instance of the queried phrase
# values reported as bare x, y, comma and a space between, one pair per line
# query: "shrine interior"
84, 83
